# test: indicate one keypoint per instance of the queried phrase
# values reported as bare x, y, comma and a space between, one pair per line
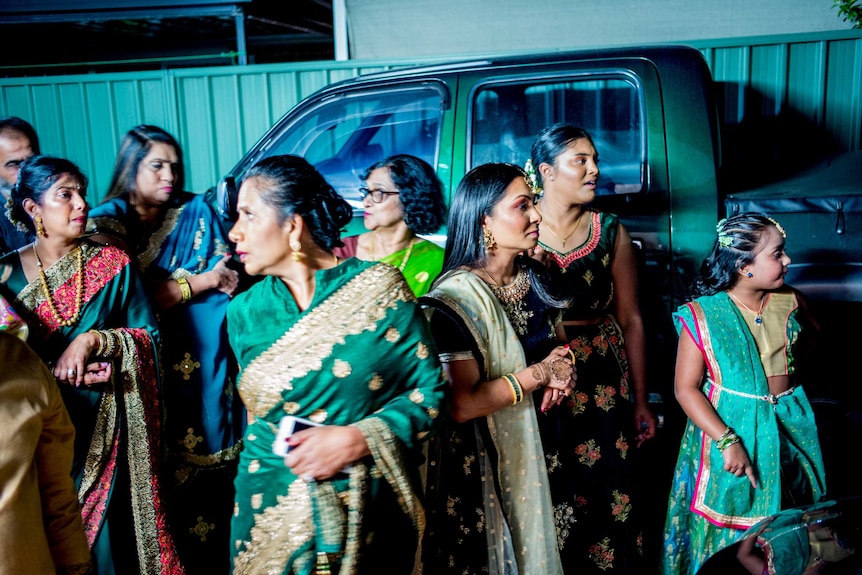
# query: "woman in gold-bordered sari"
89, 319
345, 345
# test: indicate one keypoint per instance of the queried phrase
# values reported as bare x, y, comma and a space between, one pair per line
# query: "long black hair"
134, 148
293, 186
478, 193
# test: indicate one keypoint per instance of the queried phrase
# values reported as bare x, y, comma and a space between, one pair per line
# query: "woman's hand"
72, 365
320, 452
226, 279
559, 374
736, 461
645, 423
98, 372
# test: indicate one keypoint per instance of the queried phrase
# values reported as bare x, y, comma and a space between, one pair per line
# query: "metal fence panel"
218, 113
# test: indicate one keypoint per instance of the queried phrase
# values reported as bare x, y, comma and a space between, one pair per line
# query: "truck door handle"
839, 219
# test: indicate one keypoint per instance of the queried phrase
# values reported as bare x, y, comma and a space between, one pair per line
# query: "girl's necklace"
563, 240
49, 298
406, 257
758, 316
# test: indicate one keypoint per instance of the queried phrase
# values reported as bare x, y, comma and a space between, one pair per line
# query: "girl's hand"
736, 461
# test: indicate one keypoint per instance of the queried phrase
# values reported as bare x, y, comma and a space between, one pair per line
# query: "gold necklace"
49, 298
406, 257
513, 292
758, 316
563, 240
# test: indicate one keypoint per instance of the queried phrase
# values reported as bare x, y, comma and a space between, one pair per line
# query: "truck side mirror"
226, 198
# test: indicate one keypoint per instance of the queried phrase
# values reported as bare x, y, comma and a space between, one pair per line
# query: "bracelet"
540, 374
103, 342
517, 390
728, 438
111, 343
185, 289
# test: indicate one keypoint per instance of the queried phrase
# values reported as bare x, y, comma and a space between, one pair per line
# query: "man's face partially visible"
14, 149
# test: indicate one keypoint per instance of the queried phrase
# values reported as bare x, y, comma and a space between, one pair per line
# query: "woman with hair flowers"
750, 447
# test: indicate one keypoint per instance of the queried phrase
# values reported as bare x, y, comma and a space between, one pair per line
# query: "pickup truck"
653, 114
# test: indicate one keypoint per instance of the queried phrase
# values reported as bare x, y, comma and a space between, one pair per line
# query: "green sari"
360, 355
420, 263
117, 425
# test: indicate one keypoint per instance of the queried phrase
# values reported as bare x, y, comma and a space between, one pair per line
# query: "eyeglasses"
377, 196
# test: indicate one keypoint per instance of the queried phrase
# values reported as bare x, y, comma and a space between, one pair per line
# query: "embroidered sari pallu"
357, 356
117, 425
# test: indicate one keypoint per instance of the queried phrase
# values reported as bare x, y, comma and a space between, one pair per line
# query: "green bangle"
517, 390
728, 438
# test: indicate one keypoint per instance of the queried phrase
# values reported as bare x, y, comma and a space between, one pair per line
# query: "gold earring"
296, 247
40, 229
488, 239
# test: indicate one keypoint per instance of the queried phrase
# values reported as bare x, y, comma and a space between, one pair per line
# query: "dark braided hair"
293, 186
736, 245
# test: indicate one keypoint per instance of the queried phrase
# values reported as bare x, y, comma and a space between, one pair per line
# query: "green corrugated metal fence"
218, 113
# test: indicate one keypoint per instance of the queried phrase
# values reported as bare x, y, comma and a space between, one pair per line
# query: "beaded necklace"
406, 257
79, 293
511, 297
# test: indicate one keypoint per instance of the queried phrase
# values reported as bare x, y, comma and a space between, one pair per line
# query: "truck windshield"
507, 116
344, 136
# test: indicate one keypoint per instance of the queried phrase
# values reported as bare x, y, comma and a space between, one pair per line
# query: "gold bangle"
185, 289
517, 390
103, 343
111, 343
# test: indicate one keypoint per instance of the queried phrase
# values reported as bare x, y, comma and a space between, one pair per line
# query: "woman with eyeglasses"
403, 198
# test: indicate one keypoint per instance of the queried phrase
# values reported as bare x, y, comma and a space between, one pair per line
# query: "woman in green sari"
344, 345
90, 321
403, 199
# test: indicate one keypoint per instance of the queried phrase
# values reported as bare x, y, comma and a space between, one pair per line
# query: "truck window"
344, 135
507, 116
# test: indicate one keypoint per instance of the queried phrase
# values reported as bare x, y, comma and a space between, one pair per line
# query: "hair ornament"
724, 240
778, 227
532, 180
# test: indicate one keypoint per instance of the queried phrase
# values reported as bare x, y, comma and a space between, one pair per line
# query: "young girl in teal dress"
750, 447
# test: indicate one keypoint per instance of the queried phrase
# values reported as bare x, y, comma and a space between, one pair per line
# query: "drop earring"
296, 248
488, 239
40, 229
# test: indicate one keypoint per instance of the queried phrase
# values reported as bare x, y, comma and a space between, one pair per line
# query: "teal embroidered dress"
359, 355
118, 450
204, 421
709, 508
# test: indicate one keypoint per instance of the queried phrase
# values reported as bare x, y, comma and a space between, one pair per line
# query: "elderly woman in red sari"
90, 321
345, 345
